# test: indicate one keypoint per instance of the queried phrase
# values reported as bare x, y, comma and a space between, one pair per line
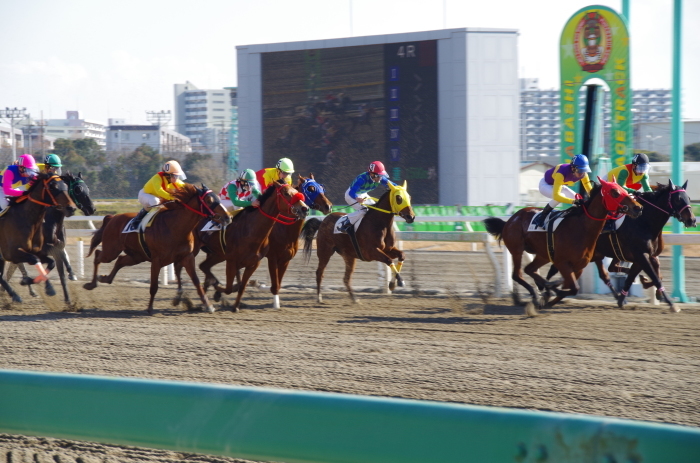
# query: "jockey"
158, 188
52, 164
16, 179
242, 192
281, 173
632, 176
357, 197
556, 182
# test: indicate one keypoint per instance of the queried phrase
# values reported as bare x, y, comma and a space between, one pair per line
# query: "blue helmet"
580, 161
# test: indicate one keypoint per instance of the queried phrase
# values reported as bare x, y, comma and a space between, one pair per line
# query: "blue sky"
120, 59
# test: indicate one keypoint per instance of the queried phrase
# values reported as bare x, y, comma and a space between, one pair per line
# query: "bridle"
204, 209
280, 218
611, 205
46, 189
671, 212
75, 182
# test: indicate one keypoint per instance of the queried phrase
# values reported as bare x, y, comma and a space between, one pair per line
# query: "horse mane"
595, 191
183, 194
661, 188
38, 180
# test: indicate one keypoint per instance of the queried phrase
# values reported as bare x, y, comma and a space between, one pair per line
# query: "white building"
125, 138
539, 117
10, 136
204, 116
656, 136
73, 127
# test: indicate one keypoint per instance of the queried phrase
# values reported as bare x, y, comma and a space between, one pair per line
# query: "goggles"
642, 168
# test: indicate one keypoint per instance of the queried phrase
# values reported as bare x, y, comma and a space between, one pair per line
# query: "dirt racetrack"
434, 340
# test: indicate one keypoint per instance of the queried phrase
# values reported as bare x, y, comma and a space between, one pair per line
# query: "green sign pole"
677, 149
595, 44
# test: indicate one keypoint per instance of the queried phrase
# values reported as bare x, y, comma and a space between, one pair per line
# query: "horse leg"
241, 286
396, 279
347, 279
647, 264
605, 276
188, 263
122, 261
66, 262
570, 284
275, 280
178, 275
531, 270
11, 270
206, 266
155, 274
231, 274
104, 255
6, 285
324, 253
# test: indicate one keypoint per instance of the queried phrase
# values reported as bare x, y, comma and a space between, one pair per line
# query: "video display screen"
332, 111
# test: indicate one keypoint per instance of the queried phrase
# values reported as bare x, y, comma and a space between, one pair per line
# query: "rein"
610, 214
202, 205
670, 212
44, 191
284, 220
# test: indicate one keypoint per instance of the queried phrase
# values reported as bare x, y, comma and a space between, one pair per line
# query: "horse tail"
97, 236
494, 226
307, 234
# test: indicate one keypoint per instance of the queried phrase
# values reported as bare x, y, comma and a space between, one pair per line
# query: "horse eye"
399, 199
312, 188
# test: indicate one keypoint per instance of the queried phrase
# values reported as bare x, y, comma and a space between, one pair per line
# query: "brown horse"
245, 241
375, 238
169, 239
284, 239
21, 239
574, 239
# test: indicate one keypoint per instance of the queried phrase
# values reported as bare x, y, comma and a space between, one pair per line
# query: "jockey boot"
539, 221
346, 225
139, 217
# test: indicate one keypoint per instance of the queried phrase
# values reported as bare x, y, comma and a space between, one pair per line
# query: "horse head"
400, 202
79, 193
57, 192
679, 204
314, 194
210, 206
617, 201
289, 200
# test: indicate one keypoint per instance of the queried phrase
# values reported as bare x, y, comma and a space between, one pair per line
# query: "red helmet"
377, 168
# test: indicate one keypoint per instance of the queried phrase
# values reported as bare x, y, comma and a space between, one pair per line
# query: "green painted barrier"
296, 426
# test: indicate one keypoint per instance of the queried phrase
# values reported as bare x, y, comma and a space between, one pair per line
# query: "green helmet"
248, 175
285, 165
52, 160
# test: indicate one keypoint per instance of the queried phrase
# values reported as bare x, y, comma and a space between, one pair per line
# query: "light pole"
12, 114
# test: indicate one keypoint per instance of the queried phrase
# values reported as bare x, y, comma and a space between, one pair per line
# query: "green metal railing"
297, 426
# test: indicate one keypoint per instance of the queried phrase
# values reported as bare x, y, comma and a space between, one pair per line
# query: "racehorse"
54, 232
243, 243
375, 238
21, 239
284, 239
573, 241
167, 240
640, 241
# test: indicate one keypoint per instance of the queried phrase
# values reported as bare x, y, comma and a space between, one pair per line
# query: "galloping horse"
375, 238
284, 239
573, 241
169, 239
244, 242
21, 239
54, 232
640, 241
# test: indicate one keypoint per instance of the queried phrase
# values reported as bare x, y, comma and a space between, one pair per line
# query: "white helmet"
173, 167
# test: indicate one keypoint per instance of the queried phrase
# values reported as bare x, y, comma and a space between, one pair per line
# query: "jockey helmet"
52, 160
580, 161
285, 165
247, 175
640, 162
377, 168
173, 167
27, 161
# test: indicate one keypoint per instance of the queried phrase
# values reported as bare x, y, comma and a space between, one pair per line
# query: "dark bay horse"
375, 238
640, 241
21, 239
169, 239
244, 242
284, 239
574, 239
54, 232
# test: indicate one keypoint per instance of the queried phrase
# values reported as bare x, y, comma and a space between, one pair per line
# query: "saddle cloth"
145, 223
356, 216
214, 226
613, 225
556, 216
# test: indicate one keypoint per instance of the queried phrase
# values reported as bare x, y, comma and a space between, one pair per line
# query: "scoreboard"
335, 110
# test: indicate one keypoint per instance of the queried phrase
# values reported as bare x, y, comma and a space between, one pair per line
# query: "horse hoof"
102, 279
49, 289
235, 309
392, 285
530, 310
177, 299
399, 281
73, 277
211, 309
149, 311
26, 281
621, 302
674, 308
217, 296
16, 298
320, 299
90, 286
659, 295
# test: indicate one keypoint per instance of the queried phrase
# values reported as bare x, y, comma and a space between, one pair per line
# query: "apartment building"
204, 116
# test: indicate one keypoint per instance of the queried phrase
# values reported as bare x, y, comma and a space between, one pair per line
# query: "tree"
653, 156
692, 152
139, 167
